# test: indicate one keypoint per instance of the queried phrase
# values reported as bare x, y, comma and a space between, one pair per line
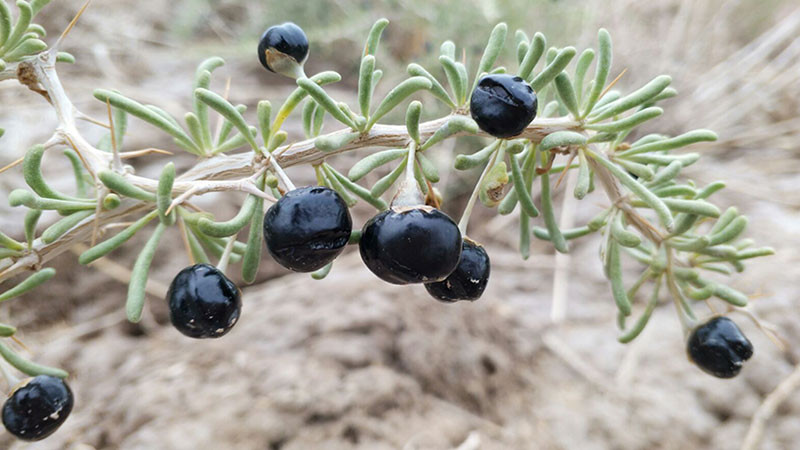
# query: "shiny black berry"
307, 228
503, 105
203, 302
405, 245
719, 347
283, 49
37, 407
469, 279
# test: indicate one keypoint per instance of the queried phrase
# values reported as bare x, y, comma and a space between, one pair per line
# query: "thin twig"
145, 152
766, 410
13, 164
84, 117
121, 273
114, 149
72, 23
558, 310
610, 85
566, 169
185, 240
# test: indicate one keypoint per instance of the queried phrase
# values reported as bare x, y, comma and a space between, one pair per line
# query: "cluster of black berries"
409, 243
309, 227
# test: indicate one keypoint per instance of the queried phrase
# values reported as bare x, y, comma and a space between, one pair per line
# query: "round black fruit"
503, 105
307, 228
469, 279
37, 407
719, 348
203, 302
282, 46
405, 245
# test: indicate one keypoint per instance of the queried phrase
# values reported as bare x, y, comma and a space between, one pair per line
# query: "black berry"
719, 347
503, 105
469, 279
307, 228
283, 48
203, 302
405, 245
37, 407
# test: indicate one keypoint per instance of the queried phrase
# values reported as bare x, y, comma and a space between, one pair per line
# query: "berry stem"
412, 157
685, 314
281, 174
409, 193
462, 224
226, 254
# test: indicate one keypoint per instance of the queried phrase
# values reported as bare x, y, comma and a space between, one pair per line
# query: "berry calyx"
203, 302
307, 228
468, 280
37, 407
503, 105
411, 244
283, 49
719, 347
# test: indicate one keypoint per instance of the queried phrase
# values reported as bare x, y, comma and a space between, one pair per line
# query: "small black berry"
503, 105
283, 49
469, 279
307, 228
719, 348
405, 245
203, 302
37, 407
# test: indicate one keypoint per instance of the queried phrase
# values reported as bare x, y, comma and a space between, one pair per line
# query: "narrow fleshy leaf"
111, 244
496, 42
325, 101
397, 95
553, 69
232, 226
534, 53
149, 115
615, 276
634, 99
61, 227
32, 172
229, 112
601, 71
521, 190
669, 144
32, 282
333, 142
436, 88
566, 92
29, 367
373, 161
365, 86
164, 194
120, 185
136, 287
561, 139
456, 124
374, 37
412, 120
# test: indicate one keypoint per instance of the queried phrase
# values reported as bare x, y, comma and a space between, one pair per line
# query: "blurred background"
372, 366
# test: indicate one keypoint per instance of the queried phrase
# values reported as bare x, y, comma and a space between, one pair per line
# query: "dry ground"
350, 362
